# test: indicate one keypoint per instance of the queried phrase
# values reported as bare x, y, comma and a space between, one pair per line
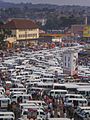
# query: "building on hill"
77, 30
23, 31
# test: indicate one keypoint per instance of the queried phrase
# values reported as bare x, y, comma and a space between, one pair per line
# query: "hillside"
56, 16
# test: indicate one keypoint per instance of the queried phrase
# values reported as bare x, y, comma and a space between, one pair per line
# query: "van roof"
4, 98
28, 104
58, 119
81, 83
42, 83
17, 88
22, 94
87, 107
87, 111
8, 116
37, 101
1, 88
73, 95
6, 113
83, 89
67, 85
35, 88
32, 107
79, 99
59, 90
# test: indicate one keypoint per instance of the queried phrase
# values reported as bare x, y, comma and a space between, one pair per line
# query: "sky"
58, 2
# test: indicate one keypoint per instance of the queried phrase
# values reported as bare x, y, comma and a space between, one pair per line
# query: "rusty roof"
20, 24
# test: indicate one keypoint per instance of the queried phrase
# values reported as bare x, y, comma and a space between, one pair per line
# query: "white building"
70, 62
22, 31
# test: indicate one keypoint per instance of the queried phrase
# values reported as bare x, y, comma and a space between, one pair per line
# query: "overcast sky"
59, 2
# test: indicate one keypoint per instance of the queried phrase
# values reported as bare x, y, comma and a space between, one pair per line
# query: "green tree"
3, 34
56, 22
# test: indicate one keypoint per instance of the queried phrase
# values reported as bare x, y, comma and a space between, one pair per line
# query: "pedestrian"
48, 114
58, 101
64, 110
54, 106
45, 97
53, 112
65, 115
51, 106
58, 114
71, 113
51, 115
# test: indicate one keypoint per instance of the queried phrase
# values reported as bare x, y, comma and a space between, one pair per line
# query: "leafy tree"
3, 34
56, 22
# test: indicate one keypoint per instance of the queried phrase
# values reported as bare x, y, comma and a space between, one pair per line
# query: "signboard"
56, 40
86, 31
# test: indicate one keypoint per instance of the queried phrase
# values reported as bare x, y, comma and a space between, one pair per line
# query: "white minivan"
74, 102
57, 93
37, 102
67, 96
4, 102
7, 116
37, 113
20, 97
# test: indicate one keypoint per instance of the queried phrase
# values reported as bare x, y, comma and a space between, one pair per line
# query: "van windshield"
42, 113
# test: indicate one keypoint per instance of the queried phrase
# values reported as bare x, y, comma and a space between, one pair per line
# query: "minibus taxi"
74, 102
4, 103
16, 80
71, 87
85, 91
32, 89
7, 116
18, 89
58, 93
30, 106
73, 96
59, 86
58, 119
20, 97
3, 68
35, 113
85, 115
81, 108
44, 75
27, 105
16, 92
82, 112
37, 102
41, 113
45, 86
8, 84
19, 85
47, 80
2, 90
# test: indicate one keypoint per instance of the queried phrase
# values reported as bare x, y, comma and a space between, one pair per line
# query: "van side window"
57, 93
51, 93
13, 96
